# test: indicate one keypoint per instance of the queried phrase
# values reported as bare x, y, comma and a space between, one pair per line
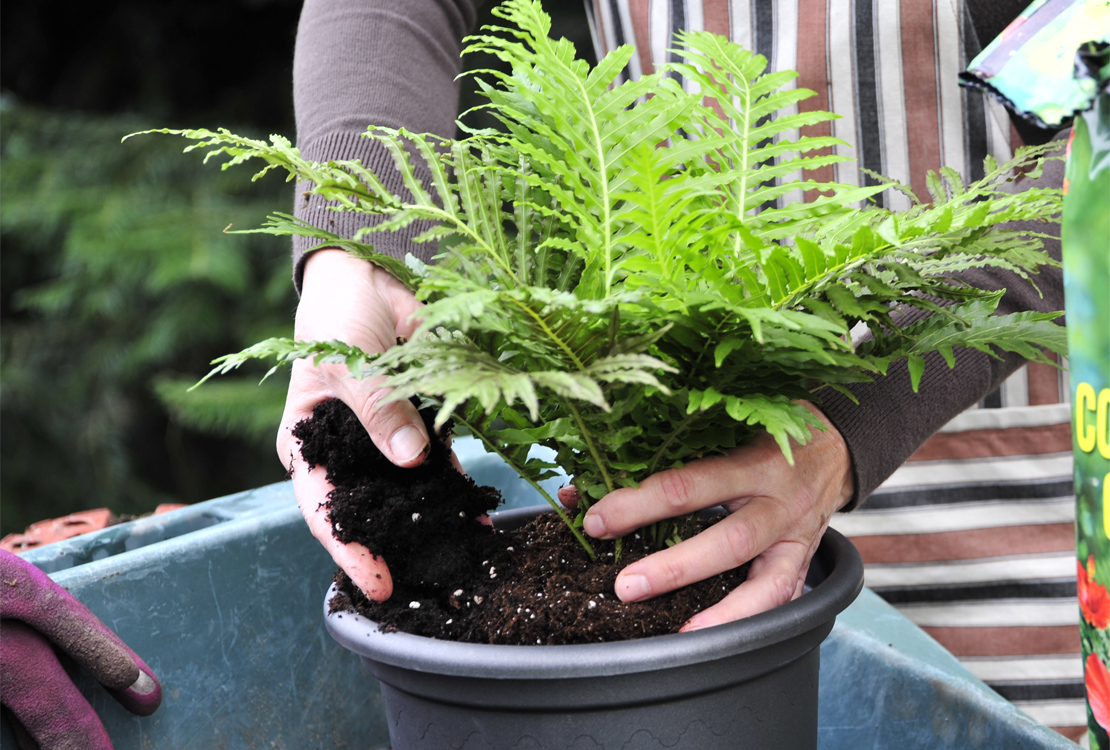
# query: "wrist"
333, 263
349, 299
833, 454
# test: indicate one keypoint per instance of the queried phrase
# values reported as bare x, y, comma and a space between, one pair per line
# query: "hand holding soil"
454, 576
349, 300
778, 514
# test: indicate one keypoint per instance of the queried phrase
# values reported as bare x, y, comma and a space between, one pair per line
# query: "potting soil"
457, 578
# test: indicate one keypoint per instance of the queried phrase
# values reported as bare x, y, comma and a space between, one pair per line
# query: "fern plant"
616, 280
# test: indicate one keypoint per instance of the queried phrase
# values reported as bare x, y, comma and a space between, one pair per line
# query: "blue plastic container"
222, 599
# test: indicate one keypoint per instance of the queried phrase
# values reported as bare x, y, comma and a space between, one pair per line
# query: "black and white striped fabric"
973, 539
851, 54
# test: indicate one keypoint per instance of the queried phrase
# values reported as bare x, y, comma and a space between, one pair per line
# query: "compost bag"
1052, 66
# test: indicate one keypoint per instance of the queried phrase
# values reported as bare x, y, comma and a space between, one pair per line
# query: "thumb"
395, 427
351, 300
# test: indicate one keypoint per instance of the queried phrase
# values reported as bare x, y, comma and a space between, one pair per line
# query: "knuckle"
737, 543
672, 574
781, 587
676, 489
805, 503
377, 417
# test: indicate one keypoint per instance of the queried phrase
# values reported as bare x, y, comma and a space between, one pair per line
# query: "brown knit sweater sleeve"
382, 62
891, 421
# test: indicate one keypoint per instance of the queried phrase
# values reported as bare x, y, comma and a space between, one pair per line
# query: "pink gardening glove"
38, 616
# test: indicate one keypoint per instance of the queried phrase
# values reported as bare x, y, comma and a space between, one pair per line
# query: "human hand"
347, 299
49, 711
777, 515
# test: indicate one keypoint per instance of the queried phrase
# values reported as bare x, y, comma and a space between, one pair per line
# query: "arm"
891, 421
389, 63
358, 63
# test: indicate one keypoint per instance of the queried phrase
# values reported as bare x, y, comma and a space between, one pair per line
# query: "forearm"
383, 62
891, 421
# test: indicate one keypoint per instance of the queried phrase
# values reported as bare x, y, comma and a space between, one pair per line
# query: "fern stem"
568, 272
520, 472
585, 434
667, 443
524, 229
603, 173
461, 225
544, 251
660, 533
333, 185
744, 149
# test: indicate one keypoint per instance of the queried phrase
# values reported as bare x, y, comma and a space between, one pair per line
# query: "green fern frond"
286, 351
231, 406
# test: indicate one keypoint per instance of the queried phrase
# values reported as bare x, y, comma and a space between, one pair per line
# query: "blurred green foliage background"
118, 287
117, 283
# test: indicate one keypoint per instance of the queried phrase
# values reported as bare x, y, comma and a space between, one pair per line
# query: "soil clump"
457, 578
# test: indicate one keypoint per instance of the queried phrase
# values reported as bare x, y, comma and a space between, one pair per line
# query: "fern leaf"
286, 225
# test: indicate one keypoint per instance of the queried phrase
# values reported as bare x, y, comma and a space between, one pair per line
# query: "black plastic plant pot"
746, 684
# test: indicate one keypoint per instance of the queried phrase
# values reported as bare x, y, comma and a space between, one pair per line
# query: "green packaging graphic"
1050, 66
1086, 241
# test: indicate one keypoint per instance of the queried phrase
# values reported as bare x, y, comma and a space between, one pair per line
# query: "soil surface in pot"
457, 578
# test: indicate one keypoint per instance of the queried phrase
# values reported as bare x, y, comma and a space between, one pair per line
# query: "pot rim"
836, 559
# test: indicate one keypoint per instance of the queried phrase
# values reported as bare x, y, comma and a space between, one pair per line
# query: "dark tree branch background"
117, 285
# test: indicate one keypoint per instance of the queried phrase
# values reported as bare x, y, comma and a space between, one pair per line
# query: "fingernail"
407, 444
144, 685
633, 588
594, 525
